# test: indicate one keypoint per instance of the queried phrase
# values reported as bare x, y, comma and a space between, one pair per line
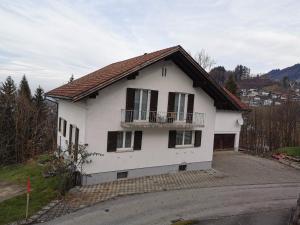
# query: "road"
160, 208
274, 217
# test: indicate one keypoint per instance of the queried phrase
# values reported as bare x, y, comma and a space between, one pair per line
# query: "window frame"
64, 127
73, 132
177, 109
183, 145
123, 148
141, 104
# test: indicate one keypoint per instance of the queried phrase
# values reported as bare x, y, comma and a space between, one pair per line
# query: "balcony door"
141, 105
180, 106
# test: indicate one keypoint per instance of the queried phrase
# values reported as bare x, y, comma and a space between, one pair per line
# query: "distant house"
263, 93
277, 103
252, 92
156, 113
268, 102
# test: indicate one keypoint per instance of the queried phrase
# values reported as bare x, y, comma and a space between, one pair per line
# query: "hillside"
255, 82
293, 73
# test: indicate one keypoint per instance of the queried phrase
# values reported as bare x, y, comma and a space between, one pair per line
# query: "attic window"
164, 71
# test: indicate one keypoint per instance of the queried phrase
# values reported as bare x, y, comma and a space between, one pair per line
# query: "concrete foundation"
98, 178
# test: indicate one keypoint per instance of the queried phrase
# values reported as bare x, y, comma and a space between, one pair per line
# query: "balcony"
148, 119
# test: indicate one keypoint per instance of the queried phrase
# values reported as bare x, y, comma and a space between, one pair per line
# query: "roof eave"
58, 96
192, 60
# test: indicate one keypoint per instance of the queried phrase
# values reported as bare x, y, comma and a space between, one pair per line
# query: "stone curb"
289, 163
37, 215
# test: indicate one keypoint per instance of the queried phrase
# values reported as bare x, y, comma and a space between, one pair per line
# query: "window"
65, 128
188, 137
184, 138
141, 104
59, 124
121, 175
124, 140
62, 126
73, 140
76, 145
70, 138
180, 106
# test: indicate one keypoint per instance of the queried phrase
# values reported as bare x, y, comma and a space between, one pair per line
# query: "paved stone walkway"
89, 195
236, 169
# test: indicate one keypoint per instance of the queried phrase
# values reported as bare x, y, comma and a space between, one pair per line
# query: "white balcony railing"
135, 118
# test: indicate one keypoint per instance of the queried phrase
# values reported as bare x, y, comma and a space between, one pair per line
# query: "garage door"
224, 141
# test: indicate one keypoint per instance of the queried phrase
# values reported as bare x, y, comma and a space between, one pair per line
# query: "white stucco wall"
75, 114
104, 114
227, 123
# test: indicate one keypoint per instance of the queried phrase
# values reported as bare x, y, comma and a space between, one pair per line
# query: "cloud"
50, 40
54, 41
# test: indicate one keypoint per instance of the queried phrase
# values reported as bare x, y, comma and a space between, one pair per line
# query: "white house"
156, 113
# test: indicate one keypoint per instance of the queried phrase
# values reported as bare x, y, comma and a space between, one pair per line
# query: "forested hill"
293, 73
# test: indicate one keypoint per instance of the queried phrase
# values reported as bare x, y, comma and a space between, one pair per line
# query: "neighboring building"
256, 98
277, 103
268, 102
156, 113
263, 93
252, 92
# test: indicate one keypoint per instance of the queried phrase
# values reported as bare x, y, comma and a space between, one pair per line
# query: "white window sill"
120, 150
184, 146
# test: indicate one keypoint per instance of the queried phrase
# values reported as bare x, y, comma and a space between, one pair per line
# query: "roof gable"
99, 79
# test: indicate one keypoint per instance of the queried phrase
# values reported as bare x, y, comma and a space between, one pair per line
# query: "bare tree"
268, 128
27, 125
204, 60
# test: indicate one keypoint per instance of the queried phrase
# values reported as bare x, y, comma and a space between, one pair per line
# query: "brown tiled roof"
241, 104
107, 73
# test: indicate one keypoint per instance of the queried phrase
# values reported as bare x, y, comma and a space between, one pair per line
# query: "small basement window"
121, 175
182, 167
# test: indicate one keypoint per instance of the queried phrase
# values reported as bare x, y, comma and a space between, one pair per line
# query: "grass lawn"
291, 151
43, 190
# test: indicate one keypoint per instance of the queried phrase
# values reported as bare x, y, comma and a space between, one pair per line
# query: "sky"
48, 41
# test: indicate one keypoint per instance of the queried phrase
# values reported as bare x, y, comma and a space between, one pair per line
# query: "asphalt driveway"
242, 168
250, 189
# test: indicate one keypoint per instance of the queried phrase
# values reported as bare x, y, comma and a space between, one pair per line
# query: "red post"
28, 185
